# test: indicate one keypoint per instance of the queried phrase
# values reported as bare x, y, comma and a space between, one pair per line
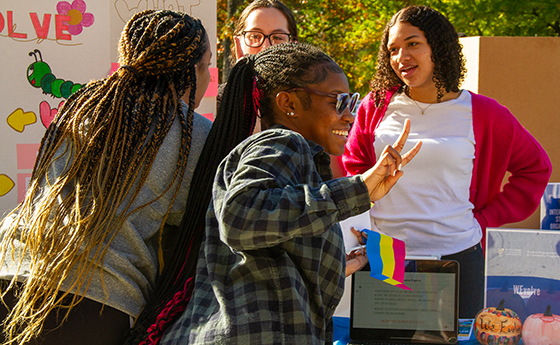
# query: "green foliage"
350, 30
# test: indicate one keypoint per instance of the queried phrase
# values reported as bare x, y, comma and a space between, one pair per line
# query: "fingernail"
400, 166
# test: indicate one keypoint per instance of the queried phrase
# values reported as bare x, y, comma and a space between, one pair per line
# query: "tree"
503, 17
227, 19
350, 30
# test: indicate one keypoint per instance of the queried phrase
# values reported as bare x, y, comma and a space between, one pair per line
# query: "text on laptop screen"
429, 306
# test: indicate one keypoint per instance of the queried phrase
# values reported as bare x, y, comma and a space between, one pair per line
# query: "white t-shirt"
429, 207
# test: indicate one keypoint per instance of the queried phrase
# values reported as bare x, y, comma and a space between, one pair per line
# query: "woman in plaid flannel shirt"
271, 268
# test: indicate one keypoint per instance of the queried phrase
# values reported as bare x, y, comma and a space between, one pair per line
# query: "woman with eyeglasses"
272, 266
454, 188
263, 23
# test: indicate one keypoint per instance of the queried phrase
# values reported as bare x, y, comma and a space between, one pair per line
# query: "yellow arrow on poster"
18, 119
6, 184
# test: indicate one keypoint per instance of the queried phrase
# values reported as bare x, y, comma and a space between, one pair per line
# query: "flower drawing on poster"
77, 12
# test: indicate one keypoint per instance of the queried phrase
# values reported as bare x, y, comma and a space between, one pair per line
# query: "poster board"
550, 207
63, 44
522, 267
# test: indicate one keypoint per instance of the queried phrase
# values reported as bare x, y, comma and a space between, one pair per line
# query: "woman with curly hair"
81, 255
453, 191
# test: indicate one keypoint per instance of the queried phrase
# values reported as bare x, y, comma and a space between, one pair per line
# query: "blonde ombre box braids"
114, 128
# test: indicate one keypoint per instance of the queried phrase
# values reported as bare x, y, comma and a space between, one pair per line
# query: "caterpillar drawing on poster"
39, 75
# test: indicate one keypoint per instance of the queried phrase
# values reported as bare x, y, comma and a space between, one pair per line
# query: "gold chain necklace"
423, 110
419, 107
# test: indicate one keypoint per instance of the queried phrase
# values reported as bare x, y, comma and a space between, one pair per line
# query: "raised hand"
356, 259
387, 170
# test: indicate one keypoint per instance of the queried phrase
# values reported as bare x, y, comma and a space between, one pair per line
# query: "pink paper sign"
212, 90
22, 184
26, 155
114, 67
209, 116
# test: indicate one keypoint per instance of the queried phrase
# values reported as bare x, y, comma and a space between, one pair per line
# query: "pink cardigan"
502, 145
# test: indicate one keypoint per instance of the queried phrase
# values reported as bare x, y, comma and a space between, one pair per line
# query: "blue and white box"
550, 207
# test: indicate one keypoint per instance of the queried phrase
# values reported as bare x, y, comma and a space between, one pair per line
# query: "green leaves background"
350, 30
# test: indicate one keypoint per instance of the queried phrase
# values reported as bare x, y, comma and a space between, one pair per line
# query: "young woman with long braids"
80, 254
453, 189
272, 264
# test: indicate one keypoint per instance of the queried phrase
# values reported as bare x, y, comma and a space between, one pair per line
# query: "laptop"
381, 313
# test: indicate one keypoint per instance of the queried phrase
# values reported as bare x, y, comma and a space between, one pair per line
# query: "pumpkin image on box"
512, 300
497, 326
537, 303
542, 329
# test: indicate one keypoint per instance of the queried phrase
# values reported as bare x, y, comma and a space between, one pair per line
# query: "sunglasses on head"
343, 100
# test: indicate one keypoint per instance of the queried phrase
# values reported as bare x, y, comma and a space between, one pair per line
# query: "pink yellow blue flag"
386, 258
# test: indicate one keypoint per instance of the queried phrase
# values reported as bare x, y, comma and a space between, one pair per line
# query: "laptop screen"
427, 314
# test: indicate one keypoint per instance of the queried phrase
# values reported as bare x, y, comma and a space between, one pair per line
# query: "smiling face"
411, 56
315, 116
267, 20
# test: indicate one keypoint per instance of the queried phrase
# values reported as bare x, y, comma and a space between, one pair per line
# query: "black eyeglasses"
255, 39
343, 100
